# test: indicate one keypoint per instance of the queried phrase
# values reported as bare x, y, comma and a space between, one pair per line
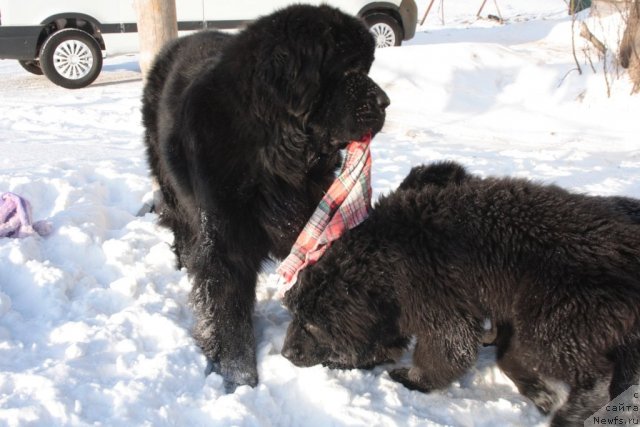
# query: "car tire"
32, 66
385, 28
71, 58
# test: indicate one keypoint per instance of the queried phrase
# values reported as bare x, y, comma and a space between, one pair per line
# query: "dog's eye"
312, 329
353, 70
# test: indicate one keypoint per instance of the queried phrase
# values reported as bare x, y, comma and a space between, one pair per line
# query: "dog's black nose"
382, 99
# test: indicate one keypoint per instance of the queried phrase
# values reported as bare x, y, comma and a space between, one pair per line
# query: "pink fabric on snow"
15, 218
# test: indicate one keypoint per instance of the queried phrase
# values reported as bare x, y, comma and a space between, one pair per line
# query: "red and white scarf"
345, 205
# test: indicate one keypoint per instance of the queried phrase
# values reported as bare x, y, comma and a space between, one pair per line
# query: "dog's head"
341, 322
439, 174
311, 70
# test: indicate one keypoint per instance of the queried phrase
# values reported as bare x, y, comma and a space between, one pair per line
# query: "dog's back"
171, 72
520, 233
561, 271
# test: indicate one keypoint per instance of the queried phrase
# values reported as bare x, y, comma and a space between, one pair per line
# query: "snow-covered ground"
94, 322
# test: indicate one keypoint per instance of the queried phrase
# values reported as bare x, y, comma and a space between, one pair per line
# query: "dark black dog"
243, 134
558, 273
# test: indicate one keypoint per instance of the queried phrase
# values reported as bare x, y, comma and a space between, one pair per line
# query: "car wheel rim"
73, 59
384, 35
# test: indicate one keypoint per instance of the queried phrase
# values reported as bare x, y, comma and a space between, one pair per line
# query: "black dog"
557, 273
243, 135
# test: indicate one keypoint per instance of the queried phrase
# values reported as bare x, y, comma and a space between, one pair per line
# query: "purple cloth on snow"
15, 218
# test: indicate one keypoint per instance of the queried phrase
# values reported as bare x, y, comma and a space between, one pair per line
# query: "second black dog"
558, 273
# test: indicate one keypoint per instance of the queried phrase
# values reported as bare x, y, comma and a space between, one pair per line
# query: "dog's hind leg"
584, 400
593, 394
522, 363
626, 370
529, 383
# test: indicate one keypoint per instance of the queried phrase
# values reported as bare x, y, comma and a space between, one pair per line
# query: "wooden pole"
157, 24
498, 9
427, 12
481, 7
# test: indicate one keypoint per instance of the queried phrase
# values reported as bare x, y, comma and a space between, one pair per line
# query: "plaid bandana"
345, 205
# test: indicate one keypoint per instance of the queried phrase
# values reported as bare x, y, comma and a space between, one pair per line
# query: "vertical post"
157, 24
424, 18
495, 2
481, 7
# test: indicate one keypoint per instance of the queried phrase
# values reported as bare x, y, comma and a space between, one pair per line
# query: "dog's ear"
289, 76
276, 67
302, 295
290, 300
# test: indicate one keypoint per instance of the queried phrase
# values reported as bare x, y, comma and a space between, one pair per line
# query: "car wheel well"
61, 23
392, 13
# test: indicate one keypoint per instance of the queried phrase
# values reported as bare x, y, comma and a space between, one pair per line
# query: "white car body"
109, 26
118, 17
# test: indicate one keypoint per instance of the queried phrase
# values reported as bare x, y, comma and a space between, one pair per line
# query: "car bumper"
19, 42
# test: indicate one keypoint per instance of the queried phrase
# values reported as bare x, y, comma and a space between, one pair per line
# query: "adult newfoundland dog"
557, 273
243, 134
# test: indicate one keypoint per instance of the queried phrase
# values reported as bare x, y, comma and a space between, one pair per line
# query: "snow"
94, 322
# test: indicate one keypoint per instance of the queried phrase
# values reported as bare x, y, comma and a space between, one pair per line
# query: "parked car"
66, 39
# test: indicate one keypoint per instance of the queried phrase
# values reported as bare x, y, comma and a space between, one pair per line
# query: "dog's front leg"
441, 358
223, 297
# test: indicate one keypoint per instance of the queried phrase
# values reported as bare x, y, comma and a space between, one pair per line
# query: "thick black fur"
557, 273
243, 135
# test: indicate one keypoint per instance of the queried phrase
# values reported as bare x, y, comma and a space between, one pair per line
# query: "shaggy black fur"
243, 134
558, 273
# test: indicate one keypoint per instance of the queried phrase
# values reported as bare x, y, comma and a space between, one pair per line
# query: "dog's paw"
545, 398
402, 375
233, 374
